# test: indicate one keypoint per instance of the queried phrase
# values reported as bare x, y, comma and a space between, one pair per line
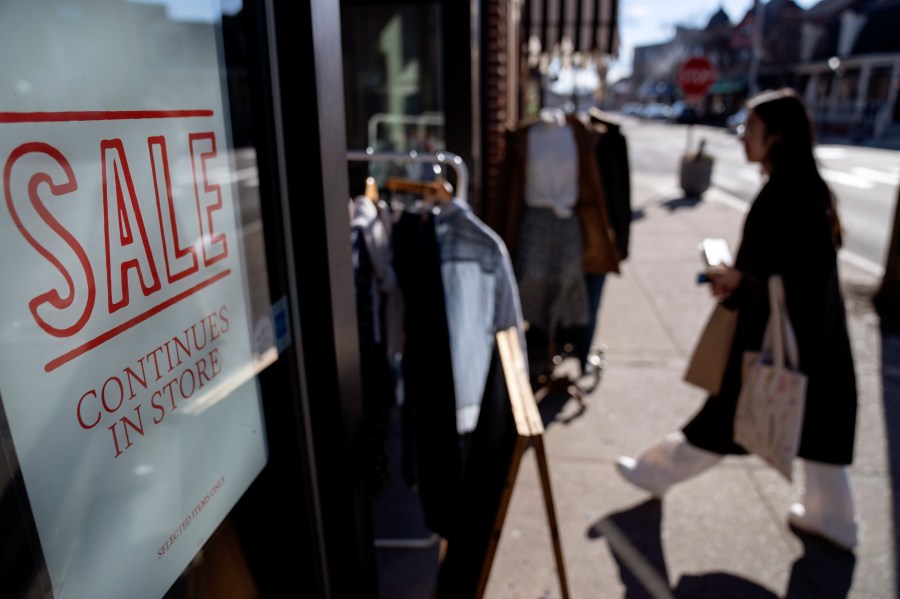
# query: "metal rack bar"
420, 121
440, 157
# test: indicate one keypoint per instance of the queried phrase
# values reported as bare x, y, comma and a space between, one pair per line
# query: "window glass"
136, 313
393, 77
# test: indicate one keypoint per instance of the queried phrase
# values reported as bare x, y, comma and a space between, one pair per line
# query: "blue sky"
643, 22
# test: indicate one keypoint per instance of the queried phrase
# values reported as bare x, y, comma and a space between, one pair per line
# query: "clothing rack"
461, 189
440, 157
523, 404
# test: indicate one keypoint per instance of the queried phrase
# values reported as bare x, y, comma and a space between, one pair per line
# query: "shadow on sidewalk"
667, 201
675, 203
822, 571
634, 538
561, 394
556, 406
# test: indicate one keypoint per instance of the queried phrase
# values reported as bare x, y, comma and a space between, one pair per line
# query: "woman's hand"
723, 280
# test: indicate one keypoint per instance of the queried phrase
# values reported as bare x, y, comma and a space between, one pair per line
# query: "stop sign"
695, 76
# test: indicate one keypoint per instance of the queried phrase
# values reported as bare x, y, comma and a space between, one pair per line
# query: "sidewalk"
724, 533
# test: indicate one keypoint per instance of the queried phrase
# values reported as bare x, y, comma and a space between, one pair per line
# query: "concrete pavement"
724, 533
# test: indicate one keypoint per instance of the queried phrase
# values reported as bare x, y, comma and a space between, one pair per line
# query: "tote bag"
769, 416
710, 357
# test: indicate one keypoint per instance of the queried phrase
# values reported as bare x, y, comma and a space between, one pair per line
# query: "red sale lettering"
130, 376
194, 377
160, 245
126, 424
180, 261
122, 220
215, 246
70, 309
214, 329
167, 375
111, 388
79, 413
118, 393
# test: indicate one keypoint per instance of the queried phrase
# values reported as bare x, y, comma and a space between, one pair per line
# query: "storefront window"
879, 84
848, 86
136, 314
393, 73
822, 96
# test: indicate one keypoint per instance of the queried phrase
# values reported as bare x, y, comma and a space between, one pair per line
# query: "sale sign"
126, 355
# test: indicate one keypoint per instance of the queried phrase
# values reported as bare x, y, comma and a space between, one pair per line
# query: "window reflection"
392, 84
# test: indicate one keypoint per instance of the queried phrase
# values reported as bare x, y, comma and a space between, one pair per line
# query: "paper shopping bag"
710, 357
768, 420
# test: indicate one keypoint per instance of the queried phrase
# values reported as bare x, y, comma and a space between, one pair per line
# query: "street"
864, 180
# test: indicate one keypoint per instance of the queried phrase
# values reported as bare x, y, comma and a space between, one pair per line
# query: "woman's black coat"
788, 231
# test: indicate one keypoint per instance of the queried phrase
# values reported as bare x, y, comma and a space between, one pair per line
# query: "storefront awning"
586, 26
729, 86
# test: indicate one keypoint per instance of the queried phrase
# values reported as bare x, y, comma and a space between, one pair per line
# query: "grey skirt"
550, 271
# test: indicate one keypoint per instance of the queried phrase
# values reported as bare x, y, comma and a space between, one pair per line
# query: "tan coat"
504, 214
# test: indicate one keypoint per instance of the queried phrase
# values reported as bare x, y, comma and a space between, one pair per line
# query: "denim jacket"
481, 298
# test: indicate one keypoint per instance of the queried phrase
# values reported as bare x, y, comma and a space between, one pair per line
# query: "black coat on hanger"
612, 158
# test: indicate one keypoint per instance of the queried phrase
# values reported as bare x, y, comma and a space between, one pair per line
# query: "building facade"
842, 55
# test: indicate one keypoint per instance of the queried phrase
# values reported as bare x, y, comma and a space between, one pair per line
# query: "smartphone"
713, 252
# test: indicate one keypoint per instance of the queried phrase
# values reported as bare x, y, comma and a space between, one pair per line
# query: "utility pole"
757, 40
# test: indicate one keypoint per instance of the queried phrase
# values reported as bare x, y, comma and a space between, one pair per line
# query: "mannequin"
549, 260
551, 167
550, 211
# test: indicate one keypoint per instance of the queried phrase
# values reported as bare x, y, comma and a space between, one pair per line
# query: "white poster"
126, 359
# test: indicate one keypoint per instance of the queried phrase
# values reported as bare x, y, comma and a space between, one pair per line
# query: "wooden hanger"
371, 189
438, 189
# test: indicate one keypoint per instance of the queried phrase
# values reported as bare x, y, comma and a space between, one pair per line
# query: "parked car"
736, 121
656, 110
683, 113
631, 108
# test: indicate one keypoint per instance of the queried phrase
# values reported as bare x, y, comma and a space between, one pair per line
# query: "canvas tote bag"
710, 357
769, 416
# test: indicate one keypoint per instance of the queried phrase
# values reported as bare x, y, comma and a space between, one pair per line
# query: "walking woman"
792, 229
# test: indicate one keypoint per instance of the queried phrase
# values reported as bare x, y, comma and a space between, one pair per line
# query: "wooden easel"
530, 430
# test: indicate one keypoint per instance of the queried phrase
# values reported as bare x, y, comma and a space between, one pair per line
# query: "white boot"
669, 461
827, 508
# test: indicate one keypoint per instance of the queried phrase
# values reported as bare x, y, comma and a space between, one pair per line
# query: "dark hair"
784, 115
